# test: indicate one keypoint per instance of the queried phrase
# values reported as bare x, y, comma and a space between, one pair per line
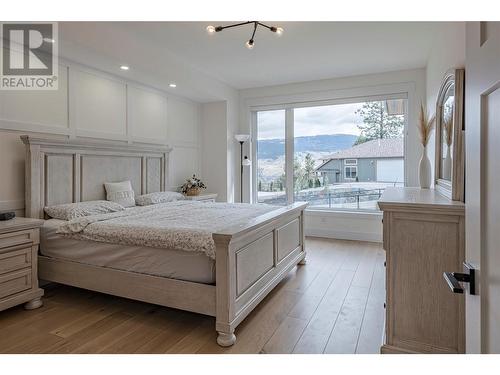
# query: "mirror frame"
453, 189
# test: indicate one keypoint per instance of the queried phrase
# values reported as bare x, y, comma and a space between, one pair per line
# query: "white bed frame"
251, 259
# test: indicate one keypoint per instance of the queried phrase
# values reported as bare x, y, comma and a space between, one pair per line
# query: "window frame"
355, 167
289, 137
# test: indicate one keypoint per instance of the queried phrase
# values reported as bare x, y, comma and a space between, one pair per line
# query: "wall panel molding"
97, 102
21, 126
177, 124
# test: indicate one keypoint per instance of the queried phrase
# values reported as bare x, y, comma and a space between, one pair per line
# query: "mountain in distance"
330, 143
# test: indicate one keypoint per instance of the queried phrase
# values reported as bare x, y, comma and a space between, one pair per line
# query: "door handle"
455, 278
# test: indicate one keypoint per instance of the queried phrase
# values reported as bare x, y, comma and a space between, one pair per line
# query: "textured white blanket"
183, 225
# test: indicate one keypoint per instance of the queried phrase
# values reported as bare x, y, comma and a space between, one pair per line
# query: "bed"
250, 257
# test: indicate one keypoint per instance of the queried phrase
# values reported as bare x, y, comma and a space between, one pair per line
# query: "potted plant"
193, 186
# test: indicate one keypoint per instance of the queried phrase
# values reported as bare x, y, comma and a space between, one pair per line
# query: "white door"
482, 109
390, 170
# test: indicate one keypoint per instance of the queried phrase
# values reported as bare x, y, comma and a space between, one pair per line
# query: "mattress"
171, 263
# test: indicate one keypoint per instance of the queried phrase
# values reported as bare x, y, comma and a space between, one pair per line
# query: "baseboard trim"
344, 235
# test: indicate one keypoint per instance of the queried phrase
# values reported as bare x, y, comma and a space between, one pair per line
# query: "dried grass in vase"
425, 125
448, 129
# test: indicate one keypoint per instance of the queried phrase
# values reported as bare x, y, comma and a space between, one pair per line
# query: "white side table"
202, 197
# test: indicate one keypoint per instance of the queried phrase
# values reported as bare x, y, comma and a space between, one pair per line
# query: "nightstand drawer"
15, 258
15, 282
28, 236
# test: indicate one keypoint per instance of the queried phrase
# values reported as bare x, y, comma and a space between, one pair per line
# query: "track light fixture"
250, 43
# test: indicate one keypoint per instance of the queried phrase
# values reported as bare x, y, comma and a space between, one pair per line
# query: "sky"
332, 119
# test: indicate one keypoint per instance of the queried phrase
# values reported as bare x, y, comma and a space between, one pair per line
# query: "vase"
424, 170
191, 192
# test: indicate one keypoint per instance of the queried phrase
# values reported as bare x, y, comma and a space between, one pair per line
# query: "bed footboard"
251, 260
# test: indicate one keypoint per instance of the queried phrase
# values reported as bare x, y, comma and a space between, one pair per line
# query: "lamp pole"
241, 171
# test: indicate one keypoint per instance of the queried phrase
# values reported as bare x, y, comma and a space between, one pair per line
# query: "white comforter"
184, 225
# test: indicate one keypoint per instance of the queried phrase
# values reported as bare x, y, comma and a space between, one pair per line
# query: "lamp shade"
246, 162
242, 137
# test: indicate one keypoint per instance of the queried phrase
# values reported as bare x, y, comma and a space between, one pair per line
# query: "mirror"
449, 164
447, 133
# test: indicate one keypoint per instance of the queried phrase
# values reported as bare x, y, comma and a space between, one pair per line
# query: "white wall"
214, 148
219, 123
91, 103
448, 51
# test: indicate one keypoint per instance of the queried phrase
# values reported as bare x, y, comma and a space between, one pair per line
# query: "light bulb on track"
250, 43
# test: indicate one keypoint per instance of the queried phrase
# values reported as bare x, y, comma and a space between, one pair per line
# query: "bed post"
251, 259
33, 206
225, 280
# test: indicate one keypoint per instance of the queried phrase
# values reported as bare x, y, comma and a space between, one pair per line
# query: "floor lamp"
244, 161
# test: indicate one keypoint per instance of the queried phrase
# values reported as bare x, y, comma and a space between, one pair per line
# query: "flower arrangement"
425, 125
192, 186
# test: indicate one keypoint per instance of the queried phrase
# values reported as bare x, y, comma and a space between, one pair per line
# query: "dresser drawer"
23, 237
15, 258
15, 282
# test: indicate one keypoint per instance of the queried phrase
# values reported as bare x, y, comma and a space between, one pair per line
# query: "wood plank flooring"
334, 304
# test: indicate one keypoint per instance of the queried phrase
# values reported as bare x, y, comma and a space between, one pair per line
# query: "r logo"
27, 49
29, 56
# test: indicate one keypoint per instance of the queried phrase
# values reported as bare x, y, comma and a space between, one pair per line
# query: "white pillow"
71, 211
158, 197
120, 192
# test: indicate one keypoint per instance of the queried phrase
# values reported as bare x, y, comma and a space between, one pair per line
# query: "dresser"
208, 197
423, 235
19, 240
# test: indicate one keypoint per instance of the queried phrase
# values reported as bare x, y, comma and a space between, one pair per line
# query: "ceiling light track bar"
250, 42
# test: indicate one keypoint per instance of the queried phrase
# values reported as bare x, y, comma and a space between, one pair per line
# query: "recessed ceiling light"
173, 85
124, 67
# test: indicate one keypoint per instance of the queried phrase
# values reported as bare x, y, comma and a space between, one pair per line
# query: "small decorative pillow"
71, 211
158, 197
120, 192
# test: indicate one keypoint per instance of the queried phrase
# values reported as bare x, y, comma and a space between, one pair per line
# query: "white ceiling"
182, 52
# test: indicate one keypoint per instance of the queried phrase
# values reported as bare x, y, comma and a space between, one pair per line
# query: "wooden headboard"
65, 171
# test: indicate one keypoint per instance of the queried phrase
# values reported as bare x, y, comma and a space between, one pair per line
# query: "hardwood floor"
334, 304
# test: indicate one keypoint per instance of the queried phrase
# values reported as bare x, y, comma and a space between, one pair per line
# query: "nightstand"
19, 240
202, 197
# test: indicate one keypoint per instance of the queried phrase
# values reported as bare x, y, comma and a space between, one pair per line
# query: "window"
337, 156
350, 173
271, 181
